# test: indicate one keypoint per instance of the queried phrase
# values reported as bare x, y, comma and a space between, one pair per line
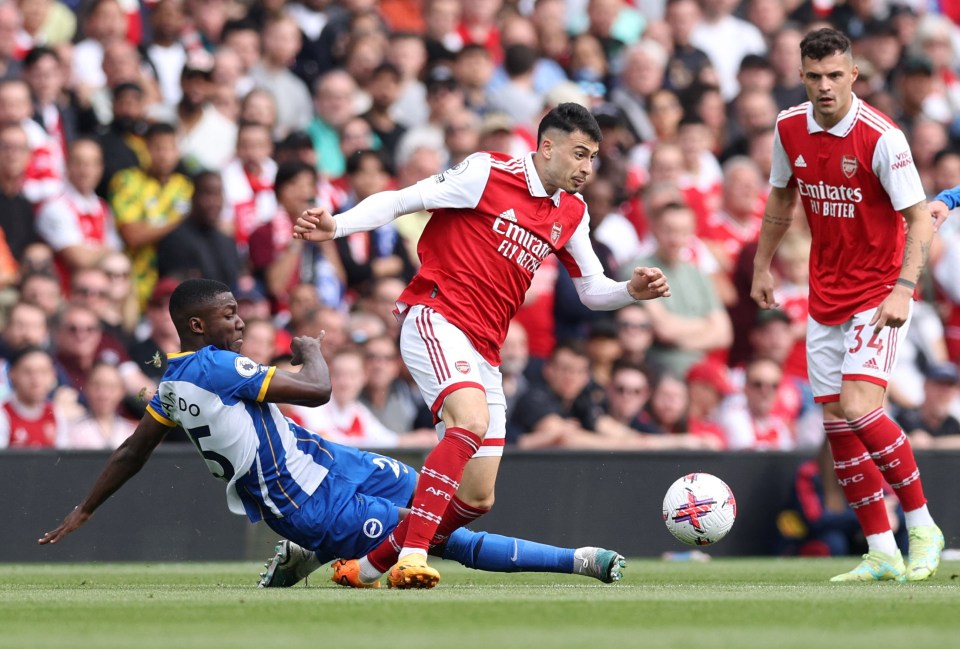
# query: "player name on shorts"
521, 245
831, 200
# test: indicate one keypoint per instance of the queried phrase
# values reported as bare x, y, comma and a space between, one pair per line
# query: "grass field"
740, 603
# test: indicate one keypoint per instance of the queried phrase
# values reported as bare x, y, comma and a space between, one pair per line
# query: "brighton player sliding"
495, 219
854, 172
329, 500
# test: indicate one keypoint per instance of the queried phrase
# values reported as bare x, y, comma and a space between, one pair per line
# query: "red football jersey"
852, 179
492, 226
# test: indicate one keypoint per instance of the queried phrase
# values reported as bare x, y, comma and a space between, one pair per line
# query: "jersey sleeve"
231, 374
460, 186
780, 172
157, 411
56, 225
893, 164
578, 255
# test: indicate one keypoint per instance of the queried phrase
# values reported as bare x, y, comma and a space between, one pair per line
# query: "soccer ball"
699, 509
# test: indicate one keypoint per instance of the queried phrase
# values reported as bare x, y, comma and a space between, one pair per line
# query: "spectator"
934, 424
43, 291
642, 74
259, 340
197, 247
78, 224
635, 333
365, 256
785, 58
709, 386
603, 349
121, 310
281, 42
206, 138
16, 211
517, 97
344, 419
10, 23
445, 97
755, 422
29, 419
149, 204
441, 34
737, 222
42, 176
26, 326
259, 107
248, 196
356, 135
391, 399
122, 140
166, 52
102, 427
52, 108
688, 66
280, 262
90, 287
243, 38
103, 24
726, 39
608, 225
514, 356
627, 395
384, 89
693, 322
122, 63
668, 413
333, 103
461, 137
474, 70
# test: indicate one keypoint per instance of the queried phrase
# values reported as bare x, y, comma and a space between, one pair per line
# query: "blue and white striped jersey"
270, 465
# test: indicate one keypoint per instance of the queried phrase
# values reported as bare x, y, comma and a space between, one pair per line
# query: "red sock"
457, 514
439, 481
859, 476
891, 451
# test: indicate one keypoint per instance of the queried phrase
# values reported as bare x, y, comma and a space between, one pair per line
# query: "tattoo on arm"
776, 220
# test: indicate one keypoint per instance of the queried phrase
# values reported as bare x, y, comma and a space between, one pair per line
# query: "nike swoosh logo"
514, 557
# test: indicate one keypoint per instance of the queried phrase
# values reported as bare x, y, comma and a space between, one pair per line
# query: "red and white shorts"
441, 359
850, 352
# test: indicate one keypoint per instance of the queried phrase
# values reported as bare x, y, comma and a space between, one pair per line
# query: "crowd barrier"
174, 510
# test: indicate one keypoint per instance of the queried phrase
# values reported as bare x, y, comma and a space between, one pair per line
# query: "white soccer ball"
699, 509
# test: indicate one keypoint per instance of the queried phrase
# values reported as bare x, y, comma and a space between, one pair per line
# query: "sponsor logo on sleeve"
245, 367
457, 169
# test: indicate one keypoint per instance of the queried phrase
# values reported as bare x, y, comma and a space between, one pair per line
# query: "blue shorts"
354, 508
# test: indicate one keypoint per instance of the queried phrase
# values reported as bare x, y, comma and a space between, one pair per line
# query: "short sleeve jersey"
271, 467
493, 224
853, 179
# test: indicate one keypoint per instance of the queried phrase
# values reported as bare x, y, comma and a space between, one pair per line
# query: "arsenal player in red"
854, 174
495, 219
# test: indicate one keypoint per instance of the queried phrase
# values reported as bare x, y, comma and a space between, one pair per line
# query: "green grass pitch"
741, 603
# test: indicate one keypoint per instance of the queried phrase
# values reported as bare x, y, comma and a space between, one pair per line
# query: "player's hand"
74, 519
648, 284
762, 289
315, 224
939, 212
894, 310
304, 346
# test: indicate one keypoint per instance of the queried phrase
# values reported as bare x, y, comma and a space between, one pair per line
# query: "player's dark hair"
822, 43
570, 117
192, 296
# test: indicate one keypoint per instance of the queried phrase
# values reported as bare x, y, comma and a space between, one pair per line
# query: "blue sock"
495, 553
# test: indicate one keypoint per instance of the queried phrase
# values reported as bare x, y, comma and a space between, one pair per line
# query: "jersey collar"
534, 184
841, 128
179, 354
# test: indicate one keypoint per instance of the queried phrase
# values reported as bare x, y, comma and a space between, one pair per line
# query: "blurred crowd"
145, 142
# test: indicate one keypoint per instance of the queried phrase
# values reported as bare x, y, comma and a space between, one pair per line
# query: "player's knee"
854, 406
476, 422
478, 499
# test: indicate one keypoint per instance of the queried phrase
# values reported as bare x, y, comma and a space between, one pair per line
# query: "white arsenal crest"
555, 232
848, 164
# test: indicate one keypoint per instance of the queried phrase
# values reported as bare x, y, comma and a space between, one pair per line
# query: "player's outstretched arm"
317, 224
777, 217
123, 464
648, 284
311, 385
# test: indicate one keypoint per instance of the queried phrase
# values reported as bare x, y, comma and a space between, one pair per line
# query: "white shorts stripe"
431, 345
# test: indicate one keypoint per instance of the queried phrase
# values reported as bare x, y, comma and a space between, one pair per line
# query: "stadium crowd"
144, 142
